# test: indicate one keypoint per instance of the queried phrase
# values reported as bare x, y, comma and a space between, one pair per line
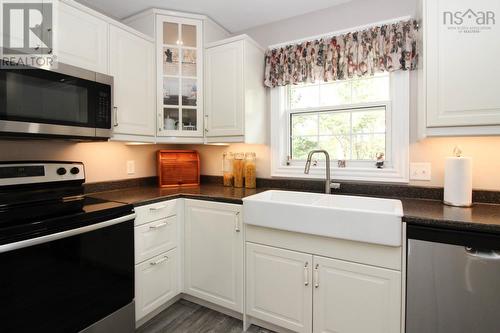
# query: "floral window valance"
387, 47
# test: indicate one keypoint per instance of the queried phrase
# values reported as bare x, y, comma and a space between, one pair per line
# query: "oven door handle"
63, 234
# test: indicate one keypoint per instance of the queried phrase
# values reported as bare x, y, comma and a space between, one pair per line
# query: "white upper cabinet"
132, 66
460, 67
235, 108
213, 257
82, 39
224, 94
181, 41
179, 59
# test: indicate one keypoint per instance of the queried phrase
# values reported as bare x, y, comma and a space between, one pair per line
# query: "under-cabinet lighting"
137, 143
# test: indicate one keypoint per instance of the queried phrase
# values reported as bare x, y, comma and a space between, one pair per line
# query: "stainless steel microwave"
66, 102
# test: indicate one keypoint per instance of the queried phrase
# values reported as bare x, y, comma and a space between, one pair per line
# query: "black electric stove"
68, 259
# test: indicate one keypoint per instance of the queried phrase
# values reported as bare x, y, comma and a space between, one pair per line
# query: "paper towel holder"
450, 195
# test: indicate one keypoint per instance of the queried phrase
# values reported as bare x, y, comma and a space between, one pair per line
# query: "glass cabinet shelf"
180, 106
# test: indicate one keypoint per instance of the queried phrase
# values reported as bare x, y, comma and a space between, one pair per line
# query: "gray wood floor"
187, 317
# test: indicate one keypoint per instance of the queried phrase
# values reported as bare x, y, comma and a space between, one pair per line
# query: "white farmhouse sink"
363, 219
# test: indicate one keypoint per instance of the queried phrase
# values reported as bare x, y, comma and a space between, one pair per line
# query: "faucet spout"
327, 167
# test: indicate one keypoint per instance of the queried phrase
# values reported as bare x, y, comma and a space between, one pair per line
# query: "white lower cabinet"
213, 257
307, 293
355, 298
279, 286
155, 282
156, 239
284, 285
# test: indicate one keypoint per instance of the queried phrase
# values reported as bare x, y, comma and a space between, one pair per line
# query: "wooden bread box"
178, 168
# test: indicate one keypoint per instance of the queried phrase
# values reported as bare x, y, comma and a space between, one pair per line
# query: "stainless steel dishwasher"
453, 281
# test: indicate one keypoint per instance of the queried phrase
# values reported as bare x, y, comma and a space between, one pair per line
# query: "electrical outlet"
130, 167
420, 171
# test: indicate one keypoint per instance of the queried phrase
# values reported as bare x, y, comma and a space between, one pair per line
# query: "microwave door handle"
115, 116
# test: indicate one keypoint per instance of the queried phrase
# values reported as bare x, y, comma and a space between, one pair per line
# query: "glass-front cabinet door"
180, 78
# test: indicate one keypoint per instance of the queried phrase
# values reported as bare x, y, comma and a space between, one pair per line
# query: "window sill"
388, 175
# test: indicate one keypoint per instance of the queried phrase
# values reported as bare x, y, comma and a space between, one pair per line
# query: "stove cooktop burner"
32, 204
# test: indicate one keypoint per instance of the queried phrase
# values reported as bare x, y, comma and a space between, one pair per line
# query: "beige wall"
484, 151
103, 160
107, 160
353, 13
211, 158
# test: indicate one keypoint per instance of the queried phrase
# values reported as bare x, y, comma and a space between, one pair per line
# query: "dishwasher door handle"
483, 254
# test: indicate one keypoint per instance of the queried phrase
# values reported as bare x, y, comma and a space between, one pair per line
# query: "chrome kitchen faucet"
328, 182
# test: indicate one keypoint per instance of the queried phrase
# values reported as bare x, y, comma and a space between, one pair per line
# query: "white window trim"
397, 143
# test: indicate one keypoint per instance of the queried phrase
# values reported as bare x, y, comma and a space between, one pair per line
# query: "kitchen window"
355, 120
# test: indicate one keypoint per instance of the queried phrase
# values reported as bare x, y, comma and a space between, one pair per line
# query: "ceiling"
234, 15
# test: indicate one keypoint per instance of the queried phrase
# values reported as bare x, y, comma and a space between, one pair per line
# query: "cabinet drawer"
156, 282
155, 211
154, 238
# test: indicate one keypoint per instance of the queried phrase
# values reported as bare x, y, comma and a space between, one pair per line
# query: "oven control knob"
61, 171
74, 171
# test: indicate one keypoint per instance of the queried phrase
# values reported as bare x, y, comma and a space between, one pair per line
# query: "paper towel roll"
458, 181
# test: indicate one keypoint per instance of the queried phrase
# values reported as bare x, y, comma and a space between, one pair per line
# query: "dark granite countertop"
143, 195
481, 217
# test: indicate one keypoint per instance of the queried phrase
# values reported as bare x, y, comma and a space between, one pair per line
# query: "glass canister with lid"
238, 169
227, 168
250, 170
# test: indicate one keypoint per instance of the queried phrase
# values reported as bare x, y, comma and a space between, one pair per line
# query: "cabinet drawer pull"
158, 226
237, 222
316, 276
156, 208
306, 274
159, 261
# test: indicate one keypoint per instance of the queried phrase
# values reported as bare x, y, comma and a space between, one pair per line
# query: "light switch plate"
130, 167
420, 171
